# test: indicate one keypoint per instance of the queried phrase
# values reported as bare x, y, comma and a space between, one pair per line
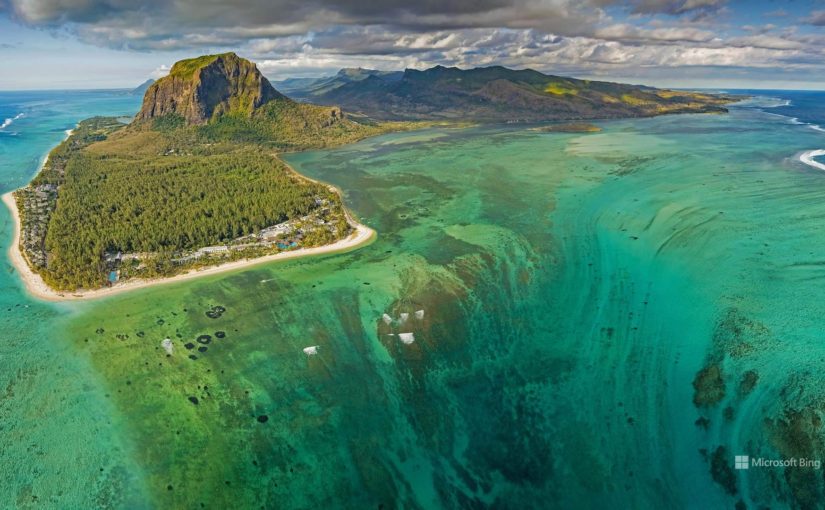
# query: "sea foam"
807, 157
6, 123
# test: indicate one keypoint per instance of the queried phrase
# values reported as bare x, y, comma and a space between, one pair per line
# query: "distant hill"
306, 89
142, 88
499, 94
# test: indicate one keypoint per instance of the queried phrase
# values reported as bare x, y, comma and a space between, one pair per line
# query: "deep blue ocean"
800, 106
31, 123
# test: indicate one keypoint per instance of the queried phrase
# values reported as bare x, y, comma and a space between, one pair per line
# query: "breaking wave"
8, 122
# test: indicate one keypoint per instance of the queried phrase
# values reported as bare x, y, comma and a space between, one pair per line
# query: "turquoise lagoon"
608, 320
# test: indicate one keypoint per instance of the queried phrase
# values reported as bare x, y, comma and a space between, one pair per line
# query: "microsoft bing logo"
741, 462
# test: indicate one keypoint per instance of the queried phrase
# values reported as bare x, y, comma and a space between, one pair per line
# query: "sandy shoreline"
38, 288
807, 157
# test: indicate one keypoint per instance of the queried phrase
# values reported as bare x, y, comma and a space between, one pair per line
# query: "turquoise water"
59, 433
573, 286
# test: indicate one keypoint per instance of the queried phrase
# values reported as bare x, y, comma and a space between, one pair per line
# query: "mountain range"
141, 89
305, 89
203, 89
493, 94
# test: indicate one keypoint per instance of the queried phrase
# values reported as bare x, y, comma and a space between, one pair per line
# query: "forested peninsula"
193, 181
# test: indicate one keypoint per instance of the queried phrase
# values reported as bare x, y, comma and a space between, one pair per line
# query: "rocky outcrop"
203, 88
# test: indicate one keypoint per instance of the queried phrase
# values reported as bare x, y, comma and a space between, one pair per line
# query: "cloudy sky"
689, 43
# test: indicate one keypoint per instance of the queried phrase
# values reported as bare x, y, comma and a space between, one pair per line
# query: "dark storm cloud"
159, 19
249, 11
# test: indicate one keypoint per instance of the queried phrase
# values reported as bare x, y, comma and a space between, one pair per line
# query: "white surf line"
807, 157
6, 123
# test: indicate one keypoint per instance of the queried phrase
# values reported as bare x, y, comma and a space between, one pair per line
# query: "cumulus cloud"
160, 71
306, 37
817, 18
627, 32
766, 41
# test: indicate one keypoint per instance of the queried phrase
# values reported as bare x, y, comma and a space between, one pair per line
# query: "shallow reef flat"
607, 320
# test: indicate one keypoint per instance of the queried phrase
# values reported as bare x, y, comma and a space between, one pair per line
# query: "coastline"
35, 285
38, 288
807, 157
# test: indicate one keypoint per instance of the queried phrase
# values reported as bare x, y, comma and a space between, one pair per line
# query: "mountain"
201, 89
301, 85
308, 88
142, 88
499, 94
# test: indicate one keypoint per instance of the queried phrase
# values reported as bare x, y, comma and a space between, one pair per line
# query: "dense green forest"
120, 203
38, 200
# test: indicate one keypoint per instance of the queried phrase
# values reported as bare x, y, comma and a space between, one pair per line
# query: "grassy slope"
186, 68
289, 125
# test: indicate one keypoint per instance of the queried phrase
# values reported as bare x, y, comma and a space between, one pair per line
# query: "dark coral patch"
215, 312
721, 470
709, 386
749, 380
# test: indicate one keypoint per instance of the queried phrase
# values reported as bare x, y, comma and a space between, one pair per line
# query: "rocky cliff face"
203, 88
